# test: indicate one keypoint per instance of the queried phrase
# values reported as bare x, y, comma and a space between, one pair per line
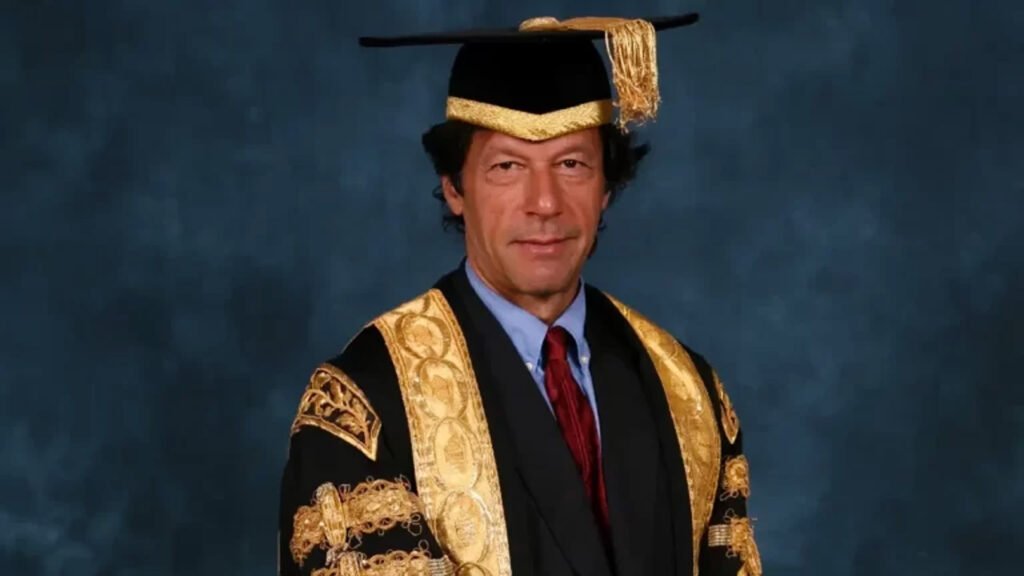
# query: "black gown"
550, 526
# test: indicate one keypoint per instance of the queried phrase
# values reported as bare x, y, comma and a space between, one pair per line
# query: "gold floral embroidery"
742, 544
339, 519
333, 403
730, 421
736, 478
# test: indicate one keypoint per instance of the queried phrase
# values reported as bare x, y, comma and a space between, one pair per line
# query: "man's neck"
546, 307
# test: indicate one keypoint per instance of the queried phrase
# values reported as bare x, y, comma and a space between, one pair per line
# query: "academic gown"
551, 528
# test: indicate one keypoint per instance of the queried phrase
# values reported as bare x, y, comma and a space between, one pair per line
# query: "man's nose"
544, 193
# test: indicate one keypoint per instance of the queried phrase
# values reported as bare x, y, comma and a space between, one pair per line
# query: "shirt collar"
526, 331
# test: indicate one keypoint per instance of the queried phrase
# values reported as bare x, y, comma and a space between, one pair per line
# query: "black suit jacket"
550, 526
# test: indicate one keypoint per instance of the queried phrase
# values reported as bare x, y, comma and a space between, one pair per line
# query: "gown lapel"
537, 450
630, 504
629, 440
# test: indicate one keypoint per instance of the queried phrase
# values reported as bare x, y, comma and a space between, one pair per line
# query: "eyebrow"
581, 148
500, 150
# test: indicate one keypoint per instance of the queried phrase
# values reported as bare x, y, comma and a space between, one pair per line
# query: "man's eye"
505, 166
571, 163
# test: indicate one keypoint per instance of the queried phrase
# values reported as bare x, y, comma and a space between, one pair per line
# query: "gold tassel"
632, 52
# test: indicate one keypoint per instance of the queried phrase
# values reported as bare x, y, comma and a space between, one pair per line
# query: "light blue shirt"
527, 333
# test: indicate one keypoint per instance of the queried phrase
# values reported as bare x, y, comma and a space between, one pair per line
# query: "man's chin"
546, 287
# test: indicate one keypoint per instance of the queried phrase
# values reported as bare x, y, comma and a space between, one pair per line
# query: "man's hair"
448, 143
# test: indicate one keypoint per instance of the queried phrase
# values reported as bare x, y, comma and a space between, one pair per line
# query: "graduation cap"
546, 78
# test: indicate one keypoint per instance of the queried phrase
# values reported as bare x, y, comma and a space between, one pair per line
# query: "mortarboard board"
546, 78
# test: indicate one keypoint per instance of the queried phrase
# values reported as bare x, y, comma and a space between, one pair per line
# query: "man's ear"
452, 195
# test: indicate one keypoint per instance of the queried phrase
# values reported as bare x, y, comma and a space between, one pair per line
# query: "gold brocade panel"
456, 473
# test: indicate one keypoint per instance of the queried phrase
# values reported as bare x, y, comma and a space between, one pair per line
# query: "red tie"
576, 421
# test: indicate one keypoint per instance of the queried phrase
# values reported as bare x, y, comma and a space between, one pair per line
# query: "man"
513, 418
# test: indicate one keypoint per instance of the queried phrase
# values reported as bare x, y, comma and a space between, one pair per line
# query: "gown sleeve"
348, 503
728, 547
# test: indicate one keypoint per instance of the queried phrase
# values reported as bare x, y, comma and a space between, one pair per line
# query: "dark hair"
447, 144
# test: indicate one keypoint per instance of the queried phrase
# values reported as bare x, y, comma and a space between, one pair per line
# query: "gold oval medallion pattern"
470, 569
465, 523
441, 388
455, 450
423, 336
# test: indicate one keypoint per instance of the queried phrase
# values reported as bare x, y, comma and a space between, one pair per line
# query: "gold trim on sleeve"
692, 417
742, 544
534, 127
380, 505
456, 473
307, 533
333, 403
730, 421
399, 563
737, 534
334, 519
719, 535
393, 563
735, 478
339, 518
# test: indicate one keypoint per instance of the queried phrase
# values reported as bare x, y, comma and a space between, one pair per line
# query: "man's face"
531, 210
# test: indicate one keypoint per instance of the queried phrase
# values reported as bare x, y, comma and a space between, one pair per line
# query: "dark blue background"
202, 200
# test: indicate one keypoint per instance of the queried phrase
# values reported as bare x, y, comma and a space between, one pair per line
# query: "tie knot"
556, 344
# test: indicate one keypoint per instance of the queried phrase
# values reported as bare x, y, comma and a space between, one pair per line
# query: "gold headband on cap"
632, 51
533, 127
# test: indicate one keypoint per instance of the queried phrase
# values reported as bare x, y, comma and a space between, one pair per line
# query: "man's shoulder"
345, 393
650, 332
661, 343
653, 335
367, 351
354, 394
648, 329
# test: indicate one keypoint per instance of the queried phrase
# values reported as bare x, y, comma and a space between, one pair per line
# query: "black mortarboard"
545, 78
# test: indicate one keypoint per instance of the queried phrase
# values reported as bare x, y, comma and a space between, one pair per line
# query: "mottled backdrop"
202, 200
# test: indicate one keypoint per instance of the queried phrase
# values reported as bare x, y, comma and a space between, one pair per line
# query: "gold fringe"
632, 51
